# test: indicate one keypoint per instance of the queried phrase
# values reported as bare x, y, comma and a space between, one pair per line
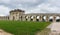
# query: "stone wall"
4, 17
18, 14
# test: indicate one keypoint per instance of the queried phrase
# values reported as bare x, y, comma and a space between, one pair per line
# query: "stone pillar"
54, 18
47, 18
41, 18
34, 18
29, 18
23, 18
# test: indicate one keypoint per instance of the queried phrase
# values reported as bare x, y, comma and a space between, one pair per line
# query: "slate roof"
17, 10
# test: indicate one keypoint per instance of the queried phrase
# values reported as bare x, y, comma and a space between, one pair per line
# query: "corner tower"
14, 14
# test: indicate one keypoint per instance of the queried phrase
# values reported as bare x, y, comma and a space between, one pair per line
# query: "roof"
17, 10
57, 14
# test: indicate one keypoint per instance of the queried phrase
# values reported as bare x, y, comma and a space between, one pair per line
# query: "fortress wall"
4, 17
20, 15
28, 17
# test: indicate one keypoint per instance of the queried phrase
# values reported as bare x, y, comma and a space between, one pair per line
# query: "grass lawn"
23, 27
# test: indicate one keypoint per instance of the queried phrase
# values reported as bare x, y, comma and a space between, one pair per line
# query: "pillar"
34, 18
23, 18
54, 18
41, 18
29, 18
47, 18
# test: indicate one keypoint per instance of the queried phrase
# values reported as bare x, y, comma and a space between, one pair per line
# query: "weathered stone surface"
20, 15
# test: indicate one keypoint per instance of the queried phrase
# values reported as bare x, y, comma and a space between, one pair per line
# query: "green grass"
23, 27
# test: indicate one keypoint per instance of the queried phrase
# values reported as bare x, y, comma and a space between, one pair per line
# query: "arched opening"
26, 17
51, 19
31, 18
37, 18
43, 18
57, 19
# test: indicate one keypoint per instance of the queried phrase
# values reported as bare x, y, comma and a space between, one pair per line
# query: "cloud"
44, 8
4, 1
32, 6
4, 10
24, 3
54, 2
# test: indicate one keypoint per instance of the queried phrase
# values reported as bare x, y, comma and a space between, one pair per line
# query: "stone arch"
43, 18
51, 18
57, 19
31, 18
37, 18
26, 17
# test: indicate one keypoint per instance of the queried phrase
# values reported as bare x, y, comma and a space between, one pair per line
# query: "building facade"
20, 15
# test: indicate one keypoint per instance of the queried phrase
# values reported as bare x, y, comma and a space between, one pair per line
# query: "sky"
30, 6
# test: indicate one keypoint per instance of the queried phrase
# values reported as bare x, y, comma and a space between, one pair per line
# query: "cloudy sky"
30, 6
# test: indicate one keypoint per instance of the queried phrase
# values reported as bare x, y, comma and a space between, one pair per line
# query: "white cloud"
25, 1
5, 1
4, 10
54, 2
31, 6
45, 8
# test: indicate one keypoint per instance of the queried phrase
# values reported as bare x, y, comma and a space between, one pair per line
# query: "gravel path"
55, 26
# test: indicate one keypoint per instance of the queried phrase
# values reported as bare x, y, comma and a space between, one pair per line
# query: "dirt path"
2, 32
